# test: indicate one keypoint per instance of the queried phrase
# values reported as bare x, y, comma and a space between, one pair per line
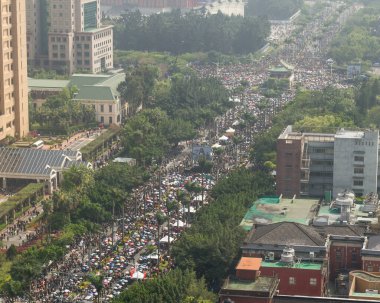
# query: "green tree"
11, 252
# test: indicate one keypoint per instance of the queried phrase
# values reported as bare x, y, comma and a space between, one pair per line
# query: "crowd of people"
136, 244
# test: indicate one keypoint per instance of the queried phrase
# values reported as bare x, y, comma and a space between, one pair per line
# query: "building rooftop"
363, 281
279, 70
341, 230
310, 299
346, 134
333, 215
261, 284
269, 210
247, 263
95, 30
285, 233
35, 84
93, 92
301, 265
97, 87
24, 162
374, 242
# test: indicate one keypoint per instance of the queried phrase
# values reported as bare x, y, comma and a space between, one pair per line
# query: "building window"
101, 119
110, 120
369, 268
292, 281
110, 108
313, 281
102, 108
358, 182
359, 158
358, 170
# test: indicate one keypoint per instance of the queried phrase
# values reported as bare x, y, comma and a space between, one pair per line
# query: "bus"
38, 144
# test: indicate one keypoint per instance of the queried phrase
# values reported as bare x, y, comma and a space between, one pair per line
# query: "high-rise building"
13, 63
67, 36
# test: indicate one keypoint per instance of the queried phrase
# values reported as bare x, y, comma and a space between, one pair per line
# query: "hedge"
91, 149
19, 198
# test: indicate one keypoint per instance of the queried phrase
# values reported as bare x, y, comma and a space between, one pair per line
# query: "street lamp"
330, 62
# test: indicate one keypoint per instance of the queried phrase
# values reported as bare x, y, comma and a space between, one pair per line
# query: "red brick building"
370, 254
344, 254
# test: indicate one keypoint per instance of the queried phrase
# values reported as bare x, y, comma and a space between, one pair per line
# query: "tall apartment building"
67, 36
13, 78
312, 164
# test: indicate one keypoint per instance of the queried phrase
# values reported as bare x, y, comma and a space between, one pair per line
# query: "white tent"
153, 256
178, 223
138, 275
236, 123
186, 210
199, 198
230, 131
223, 138
166, 240
216, 145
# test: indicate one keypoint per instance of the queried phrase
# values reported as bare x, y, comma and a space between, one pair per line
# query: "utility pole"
113, 223
123, 226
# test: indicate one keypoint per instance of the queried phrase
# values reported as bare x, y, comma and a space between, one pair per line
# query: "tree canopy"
59, 113
177, 286
191, 32
212, 243
360, 38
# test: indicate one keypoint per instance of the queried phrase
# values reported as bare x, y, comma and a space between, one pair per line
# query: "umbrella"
223, 138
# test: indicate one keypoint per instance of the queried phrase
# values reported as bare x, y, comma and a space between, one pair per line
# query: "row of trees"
87, 199
173, 108
192, 32
149, 134
175, 287
273, 9
360, 38
321, 104
211, 245
322, 111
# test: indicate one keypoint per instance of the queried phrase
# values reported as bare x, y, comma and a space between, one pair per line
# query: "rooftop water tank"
288, 255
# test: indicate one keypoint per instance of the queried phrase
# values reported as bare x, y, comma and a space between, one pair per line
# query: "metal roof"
26, 162
36, 84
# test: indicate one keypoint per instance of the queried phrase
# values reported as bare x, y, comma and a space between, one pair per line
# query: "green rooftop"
92, 87
302, 265
279, 69
260, 284
88, 79
364, 294
92, 93
268, 210
47, 84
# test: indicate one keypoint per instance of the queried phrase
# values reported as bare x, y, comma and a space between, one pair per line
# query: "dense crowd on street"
135, 246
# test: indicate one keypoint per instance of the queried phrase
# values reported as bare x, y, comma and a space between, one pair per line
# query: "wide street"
139, 245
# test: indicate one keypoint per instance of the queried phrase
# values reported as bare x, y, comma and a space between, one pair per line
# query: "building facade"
98, 91
13, 78
311, 164
72, 38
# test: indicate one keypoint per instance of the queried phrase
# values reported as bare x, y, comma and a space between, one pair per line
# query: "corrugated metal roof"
26, 161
